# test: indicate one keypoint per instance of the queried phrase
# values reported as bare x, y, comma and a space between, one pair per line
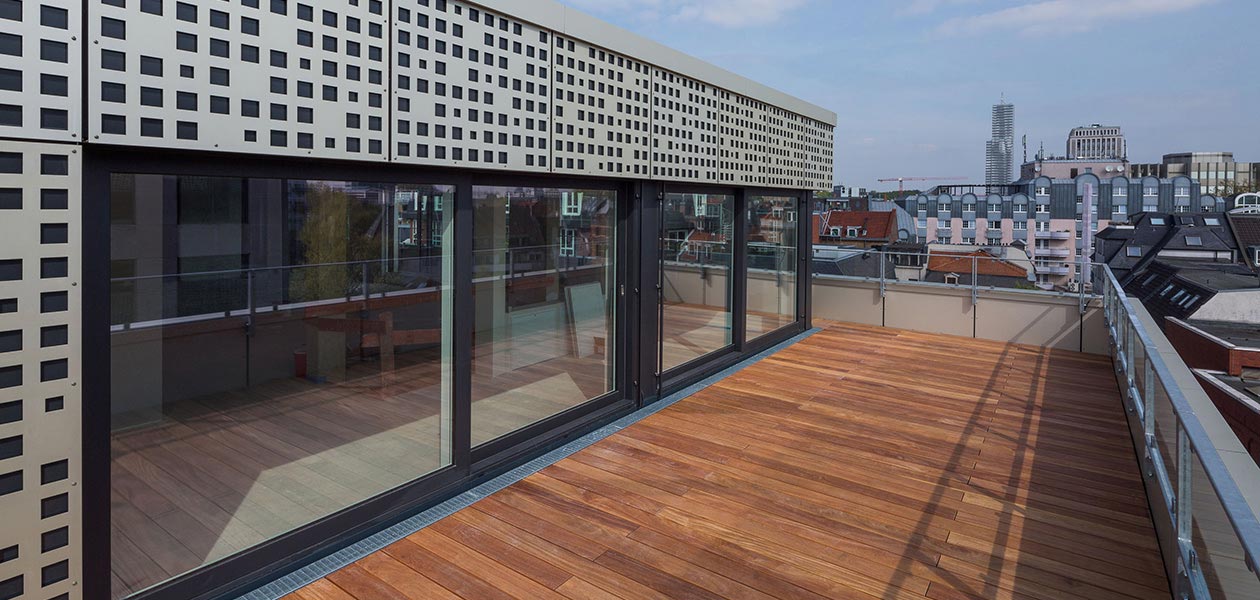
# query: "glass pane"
1222, 559
696, 258
772, 264
1165, 429
279, 353
1139, 373
544, 281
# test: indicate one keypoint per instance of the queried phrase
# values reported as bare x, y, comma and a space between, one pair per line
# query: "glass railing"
951, 267
1200, 475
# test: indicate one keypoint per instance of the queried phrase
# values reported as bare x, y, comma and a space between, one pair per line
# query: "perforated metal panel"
742, 139
470, 87
817, 151
262, 76
684, 128
40, 429
40, 69
602, 111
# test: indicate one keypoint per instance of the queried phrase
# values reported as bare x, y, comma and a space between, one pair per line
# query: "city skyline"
912, 86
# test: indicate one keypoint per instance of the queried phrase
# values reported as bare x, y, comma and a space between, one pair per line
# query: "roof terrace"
870, 460
828, 470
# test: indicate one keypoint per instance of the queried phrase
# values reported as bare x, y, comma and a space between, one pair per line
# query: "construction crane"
901, 181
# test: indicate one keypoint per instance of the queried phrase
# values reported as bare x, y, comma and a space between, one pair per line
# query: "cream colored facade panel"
575, 23
471, 88
602, 111
684, 128
40, 296
257, 76
41, 71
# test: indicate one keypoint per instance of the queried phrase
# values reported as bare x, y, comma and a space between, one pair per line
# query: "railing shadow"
1018, 500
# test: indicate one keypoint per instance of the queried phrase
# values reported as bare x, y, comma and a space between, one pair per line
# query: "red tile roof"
960, 262
876, 226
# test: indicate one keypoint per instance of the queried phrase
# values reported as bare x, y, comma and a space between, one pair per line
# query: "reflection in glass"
697, 232
545, 304
280, 351
771, 258
1222, 559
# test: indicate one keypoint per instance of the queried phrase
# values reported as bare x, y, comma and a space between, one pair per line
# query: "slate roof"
1153, 233
856, 264
1215, 276
1246, 230
1216, 238
1165, 293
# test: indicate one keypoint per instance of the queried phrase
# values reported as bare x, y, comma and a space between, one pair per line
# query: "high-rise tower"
999, 151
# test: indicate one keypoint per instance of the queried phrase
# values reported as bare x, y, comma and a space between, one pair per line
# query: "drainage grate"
376, 542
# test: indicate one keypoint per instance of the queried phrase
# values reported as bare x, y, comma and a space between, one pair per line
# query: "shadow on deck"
860, 463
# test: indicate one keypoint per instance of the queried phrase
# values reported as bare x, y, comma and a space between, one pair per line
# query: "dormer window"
952, 279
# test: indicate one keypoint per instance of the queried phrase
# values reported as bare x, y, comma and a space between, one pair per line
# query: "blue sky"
913, 80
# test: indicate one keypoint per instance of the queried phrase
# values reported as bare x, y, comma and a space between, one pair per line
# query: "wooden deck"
862, 463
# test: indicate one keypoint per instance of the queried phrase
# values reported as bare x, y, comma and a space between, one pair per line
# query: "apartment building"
1217, 172
1097, 142
274, 273
1046, 216
1056, 167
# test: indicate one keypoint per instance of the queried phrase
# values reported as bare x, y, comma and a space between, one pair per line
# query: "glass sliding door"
281, 350
697, 238
545, 306
771, 258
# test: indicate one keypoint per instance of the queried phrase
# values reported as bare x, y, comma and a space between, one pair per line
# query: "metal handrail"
1193, 440
1083, 292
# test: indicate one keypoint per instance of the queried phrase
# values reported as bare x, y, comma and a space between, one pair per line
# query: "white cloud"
918, 8
1063, 16
723, 13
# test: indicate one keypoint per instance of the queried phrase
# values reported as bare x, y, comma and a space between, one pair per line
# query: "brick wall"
1196, 349
1244, 421
1201, 351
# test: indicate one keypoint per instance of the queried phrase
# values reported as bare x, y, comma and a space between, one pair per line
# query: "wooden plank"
829, 470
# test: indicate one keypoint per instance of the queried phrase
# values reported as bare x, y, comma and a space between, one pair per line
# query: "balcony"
1058, 252
1054, 235
1052, 269
1000, 464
